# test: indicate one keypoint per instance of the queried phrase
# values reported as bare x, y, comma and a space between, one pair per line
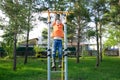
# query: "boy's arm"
54, 22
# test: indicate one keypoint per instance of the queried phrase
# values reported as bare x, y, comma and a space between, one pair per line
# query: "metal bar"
62, 69
57, 71
65, 47
48, 52
58, 12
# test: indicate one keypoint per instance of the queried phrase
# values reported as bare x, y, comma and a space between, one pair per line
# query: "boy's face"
57, 22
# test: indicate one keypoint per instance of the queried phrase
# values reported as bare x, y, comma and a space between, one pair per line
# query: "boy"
57, 36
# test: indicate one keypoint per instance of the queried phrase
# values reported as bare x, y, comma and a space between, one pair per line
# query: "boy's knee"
60, 56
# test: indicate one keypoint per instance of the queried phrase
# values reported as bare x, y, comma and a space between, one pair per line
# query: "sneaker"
53, 66
59, 66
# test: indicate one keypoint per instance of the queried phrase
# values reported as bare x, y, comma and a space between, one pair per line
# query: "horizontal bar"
58, 12
57, 71
57, 61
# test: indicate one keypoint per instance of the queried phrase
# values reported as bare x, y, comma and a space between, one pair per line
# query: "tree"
32, 6
80, 19
29, 4
71, 29
16, 12
112, 18
99, 8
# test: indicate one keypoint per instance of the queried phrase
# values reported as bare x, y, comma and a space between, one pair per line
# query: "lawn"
36, 69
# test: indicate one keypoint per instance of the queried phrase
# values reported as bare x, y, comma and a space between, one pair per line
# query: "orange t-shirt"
57, 30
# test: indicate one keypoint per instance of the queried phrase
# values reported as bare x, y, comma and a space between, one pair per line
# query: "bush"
40, 51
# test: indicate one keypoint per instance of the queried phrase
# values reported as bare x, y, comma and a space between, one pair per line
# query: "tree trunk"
119, 49
14, 62
78, 50
119, 2
0, 54
26, 51
97, 40
100, 43
78, 41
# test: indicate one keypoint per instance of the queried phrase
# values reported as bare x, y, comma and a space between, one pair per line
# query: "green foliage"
36, 48
44, 33
91, 33
8, 49
7, 44
81, 10
70, 31
113, 37
114, 27
39, 50
113, 20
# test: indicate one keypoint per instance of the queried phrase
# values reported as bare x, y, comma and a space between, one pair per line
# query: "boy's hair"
57, 17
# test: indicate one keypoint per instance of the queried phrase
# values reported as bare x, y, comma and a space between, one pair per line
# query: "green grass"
36, 69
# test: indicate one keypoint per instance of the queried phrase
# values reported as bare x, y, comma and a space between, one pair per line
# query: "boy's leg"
60, 53
53, 62
54, 53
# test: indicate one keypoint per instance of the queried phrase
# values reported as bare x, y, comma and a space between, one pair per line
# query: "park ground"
36, 69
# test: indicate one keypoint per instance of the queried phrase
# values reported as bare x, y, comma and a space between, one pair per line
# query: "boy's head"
58, 21
57, 16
